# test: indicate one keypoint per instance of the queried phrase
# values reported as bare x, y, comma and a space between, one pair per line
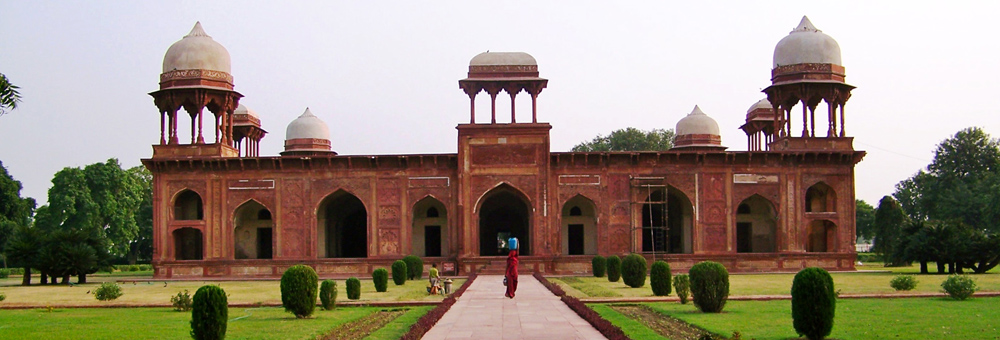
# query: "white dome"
242, 109
502, 59
307, 126
760, 104
697, 123
806, 45
197, 51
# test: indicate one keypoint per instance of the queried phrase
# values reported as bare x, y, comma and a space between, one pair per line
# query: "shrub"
4, 273
634, 270
181, 301
108, 291
16, 271
399, 272
614, 268
3, 296
709, 286
353, 288
598, 265
328, 294
145, 267
298, 290
903, 282
105, 269
682, 285
414, 267
959, 287
659, 278
813, 303
381, 279
133, 268
209, 313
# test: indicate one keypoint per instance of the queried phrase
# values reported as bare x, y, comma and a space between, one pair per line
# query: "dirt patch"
361, 328
664, 325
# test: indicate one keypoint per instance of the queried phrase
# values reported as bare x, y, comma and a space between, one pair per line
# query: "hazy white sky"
384, 74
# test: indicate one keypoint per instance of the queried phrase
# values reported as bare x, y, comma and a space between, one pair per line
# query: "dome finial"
197, 31
806, 26
696, 111
307, 113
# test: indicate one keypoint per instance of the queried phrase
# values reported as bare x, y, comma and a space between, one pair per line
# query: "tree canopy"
864, 220
889, 219
961, 183
630, 139
15, 211
9, 95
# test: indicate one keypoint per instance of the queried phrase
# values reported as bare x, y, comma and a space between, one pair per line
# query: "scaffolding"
659, 229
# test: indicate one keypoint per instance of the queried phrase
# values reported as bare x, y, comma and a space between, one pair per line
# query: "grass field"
780, 284
159, 292
164, 323
913, 318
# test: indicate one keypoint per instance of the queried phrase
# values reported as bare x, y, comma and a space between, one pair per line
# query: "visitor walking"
510, 277
434, 278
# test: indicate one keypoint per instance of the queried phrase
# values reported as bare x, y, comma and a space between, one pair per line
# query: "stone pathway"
483, 313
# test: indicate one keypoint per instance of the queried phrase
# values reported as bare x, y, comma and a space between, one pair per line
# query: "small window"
743, 209
264, 214
575, 211
432, 212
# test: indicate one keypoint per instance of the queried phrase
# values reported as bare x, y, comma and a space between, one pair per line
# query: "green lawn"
779, 284
159, 292
163, 323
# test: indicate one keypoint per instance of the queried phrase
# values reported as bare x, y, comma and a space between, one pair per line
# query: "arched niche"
821, 198
342, 226
430, 228
253, 232
503, 212
188, 244
667, 220
188, 206
579, 227
756, 226
822, 237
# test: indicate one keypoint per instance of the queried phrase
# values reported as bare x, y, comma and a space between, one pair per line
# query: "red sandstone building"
221, 209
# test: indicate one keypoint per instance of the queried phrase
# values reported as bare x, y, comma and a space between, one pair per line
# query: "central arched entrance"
342, 226
504, 212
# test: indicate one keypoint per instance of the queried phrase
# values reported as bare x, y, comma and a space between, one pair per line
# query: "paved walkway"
483, 313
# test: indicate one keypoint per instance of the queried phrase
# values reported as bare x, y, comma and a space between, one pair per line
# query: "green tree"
24, 248
117, 195
864, 215
71, 218
889, 220
630, 139
9, 95
141, 247
961, 183
14, 210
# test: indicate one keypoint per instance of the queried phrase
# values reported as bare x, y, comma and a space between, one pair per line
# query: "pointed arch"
821, 197
579, 226
430, 227
188, 206
342, 226
756, 225
822, 236
188, 244
504, 211
253, 231
667, 221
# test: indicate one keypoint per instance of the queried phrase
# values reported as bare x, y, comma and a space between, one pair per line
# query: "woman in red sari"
511, 274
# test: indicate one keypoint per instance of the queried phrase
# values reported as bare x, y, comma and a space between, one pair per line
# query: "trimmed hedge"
598, 265
381, 279
903, 282
414, 267
4, 273
209, 313
353, 288
959, 287
814, 303
710, 286
606, 328
299, 286
328, 294
682, 285
614, 268
107, 291
659, 278
634, 270
399, 272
